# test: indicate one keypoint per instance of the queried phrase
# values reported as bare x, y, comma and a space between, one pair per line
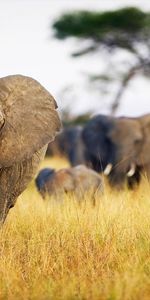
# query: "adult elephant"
69, 144
119, 147
140, 162
127, 136
100, 151
28, 121
72, 145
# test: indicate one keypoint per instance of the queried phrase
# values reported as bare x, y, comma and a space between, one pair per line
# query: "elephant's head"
141, 163
127, 136
43, 176
100, 150
28, 118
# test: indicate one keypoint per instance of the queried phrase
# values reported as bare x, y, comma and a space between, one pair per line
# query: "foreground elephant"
120, 147
79, 180
28, 121
69, 144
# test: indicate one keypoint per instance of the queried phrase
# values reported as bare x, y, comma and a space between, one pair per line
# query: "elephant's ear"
28, 118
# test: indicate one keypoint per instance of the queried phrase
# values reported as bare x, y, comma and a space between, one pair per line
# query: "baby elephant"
78, 180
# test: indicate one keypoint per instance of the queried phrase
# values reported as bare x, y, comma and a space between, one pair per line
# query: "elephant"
69, 144
78, 179
119, 147
99, 149
28, 122
127, 136
137, 148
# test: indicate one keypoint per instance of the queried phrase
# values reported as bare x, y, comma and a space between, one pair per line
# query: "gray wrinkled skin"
79, 180
28, 121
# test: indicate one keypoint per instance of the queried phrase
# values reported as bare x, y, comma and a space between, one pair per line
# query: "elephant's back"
86, 177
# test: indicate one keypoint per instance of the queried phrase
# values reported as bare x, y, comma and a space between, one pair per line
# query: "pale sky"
27, 47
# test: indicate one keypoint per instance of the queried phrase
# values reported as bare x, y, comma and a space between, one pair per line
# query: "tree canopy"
124, 29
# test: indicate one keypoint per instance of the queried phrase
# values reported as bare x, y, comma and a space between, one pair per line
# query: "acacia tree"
126, 29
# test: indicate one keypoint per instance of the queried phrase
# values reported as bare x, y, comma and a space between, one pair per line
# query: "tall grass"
66, 250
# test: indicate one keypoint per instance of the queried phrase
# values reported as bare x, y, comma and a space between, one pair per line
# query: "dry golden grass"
52, 250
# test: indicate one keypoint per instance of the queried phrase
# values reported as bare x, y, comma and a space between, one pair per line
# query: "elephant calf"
78, 179
28, 122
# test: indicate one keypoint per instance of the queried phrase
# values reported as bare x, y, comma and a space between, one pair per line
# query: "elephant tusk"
131, 172
108, 169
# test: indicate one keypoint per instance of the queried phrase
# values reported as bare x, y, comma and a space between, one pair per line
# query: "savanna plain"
70, 250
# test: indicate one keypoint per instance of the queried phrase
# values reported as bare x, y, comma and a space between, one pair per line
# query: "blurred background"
92, 55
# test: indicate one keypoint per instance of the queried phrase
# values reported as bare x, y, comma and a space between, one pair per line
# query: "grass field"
52, 250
